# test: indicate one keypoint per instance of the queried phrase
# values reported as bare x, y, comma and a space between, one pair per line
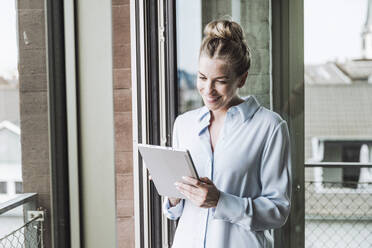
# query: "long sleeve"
271, 208
174, 212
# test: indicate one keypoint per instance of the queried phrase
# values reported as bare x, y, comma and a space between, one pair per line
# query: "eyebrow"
226, 77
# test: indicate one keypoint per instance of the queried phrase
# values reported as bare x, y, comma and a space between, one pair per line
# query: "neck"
220, 114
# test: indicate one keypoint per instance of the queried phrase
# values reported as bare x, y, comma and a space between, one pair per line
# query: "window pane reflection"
192, 16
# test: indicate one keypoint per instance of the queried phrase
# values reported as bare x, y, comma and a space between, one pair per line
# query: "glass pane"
192, 16
24, 141
338, 122
255, 21
10, 139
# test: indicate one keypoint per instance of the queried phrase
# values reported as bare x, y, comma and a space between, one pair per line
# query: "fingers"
205, 180
191, 181
188, 190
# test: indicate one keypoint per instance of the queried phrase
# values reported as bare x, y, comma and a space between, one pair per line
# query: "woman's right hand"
174, 201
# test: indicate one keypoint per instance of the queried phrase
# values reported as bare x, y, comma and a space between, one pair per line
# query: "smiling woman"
240, 149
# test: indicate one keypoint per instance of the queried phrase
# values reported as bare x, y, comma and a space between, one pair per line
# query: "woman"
240, 150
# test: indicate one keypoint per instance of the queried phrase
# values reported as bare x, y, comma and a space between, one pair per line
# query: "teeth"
212, 99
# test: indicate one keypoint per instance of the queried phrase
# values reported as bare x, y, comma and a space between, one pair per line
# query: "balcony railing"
337, 215
30, 234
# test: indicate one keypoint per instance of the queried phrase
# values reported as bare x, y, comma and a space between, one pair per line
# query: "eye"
221, 82
202, 78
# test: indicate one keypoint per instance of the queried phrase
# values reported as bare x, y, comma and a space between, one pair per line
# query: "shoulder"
269, 116
269, 120
188, 117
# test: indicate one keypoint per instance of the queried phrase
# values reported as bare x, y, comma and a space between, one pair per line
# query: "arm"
271, 208
173, 211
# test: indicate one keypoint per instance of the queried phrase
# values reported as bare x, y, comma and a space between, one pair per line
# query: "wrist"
173, 201
218, 197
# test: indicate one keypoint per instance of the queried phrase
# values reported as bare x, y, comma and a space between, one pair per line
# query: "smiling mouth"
212, 99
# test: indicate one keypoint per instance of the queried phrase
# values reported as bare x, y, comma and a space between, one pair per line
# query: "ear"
242, 79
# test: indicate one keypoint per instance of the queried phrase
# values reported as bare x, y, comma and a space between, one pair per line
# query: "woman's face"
217, 84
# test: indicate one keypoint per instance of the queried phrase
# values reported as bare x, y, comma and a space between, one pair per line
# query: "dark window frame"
152, 75
171, 84
171, 89
4, 186
152, 89
288, 101
60, 198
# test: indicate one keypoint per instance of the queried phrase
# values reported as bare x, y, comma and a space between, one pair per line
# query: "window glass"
18, 187
3, 188
338, 121
254, 17
24, 140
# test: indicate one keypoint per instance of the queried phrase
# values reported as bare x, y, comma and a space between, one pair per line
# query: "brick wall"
33, 104
123, 123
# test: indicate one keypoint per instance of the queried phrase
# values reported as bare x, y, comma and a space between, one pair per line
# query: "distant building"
10, 161
367, 34
10, 142
338, 113
9, 100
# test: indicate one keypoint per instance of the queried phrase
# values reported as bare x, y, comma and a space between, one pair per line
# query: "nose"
209, 87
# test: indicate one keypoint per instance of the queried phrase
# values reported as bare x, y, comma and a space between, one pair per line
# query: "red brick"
123, 132
125, 232
120, 2
122, 56
121, 25
122, 79
124, 162
124, 195
122, 100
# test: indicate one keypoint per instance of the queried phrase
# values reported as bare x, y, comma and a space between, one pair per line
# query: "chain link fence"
30, 235
338, 214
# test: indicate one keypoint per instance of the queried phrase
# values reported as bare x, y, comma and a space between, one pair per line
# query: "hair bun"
224, 29
224, 39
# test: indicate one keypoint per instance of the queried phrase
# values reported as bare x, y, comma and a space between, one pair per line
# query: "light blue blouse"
250, 166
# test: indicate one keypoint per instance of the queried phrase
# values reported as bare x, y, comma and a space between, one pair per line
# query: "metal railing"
338, 214
30, 234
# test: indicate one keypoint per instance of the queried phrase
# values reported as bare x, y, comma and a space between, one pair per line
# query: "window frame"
154, 105
58, 144
288, 101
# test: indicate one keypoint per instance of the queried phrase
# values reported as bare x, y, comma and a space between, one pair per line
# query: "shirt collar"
246, 110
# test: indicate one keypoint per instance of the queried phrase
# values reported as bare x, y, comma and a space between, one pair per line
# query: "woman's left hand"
203, 193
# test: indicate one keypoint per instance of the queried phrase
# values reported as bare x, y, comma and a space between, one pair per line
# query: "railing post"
29, 230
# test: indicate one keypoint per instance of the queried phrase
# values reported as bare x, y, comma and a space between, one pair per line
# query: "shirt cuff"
174, 212
232, 208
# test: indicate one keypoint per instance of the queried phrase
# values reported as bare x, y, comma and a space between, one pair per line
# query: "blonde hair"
224, 40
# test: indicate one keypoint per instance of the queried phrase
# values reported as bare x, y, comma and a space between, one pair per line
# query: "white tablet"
167, 166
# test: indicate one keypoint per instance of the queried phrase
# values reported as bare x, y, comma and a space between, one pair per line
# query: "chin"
212, 106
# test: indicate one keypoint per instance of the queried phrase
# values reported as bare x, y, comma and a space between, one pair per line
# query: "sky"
8, 39
332, 31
